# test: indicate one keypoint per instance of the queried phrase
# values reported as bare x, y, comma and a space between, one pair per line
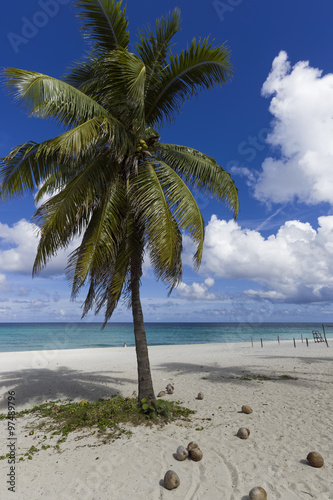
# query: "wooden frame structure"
317, 336
324, 333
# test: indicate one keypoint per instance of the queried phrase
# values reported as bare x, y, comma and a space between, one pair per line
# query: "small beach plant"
106, 417
108, 178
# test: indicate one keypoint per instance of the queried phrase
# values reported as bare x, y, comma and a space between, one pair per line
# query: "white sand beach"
290, 418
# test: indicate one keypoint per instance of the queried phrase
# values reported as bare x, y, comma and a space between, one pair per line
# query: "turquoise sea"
53, 336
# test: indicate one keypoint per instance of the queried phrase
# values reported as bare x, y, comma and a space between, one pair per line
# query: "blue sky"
271, 127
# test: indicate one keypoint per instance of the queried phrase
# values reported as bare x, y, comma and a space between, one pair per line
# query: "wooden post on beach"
294, 342
302, 338
261, 343
325, 333
252, 341
307, 342
278, 339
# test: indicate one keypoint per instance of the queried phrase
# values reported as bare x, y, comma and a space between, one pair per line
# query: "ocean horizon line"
46, 336
166, 322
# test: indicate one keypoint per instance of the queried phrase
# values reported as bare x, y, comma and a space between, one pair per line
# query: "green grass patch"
106, 417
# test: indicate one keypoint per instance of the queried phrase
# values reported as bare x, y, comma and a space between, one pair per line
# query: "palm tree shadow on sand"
34, 386
218, 373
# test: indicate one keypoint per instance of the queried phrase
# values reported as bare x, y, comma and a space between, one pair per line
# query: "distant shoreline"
110, 323
29, 337
228, 345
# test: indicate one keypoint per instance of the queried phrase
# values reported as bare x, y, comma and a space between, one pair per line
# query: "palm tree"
109, 179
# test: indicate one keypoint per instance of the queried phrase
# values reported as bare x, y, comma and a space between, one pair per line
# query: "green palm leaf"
99, 246
57, 180
153, 47
200, 66
25, 169
18, 173
202, 172
68, 212
123, 84
111, 279
182, 205
114, 280
83, 75
47, 97
94, 133
163, 235
104, 22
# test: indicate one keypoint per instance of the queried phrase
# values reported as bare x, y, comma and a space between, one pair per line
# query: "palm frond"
57, 180
122, 83
110, 279
163, 236
114, 280
104, 22
153, 47
200, 66
170, 272
100, 242
83, 74
22, 170
47, 97
68, 212
94, 133
202, 172
134, 73
182, 205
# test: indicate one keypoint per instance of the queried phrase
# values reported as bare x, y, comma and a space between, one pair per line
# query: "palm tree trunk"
145, 384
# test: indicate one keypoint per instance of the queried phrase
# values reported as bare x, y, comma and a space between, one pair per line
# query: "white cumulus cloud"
293, 265
302, 107
18, 247
196, 291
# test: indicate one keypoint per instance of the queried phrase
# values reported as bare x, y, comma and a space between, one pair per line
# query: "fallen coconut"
200, 395
192, 445
170, 388
246, 409
315, 459
181, 453
195, 454
161, 394
243, 433
171, 480
258, 493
